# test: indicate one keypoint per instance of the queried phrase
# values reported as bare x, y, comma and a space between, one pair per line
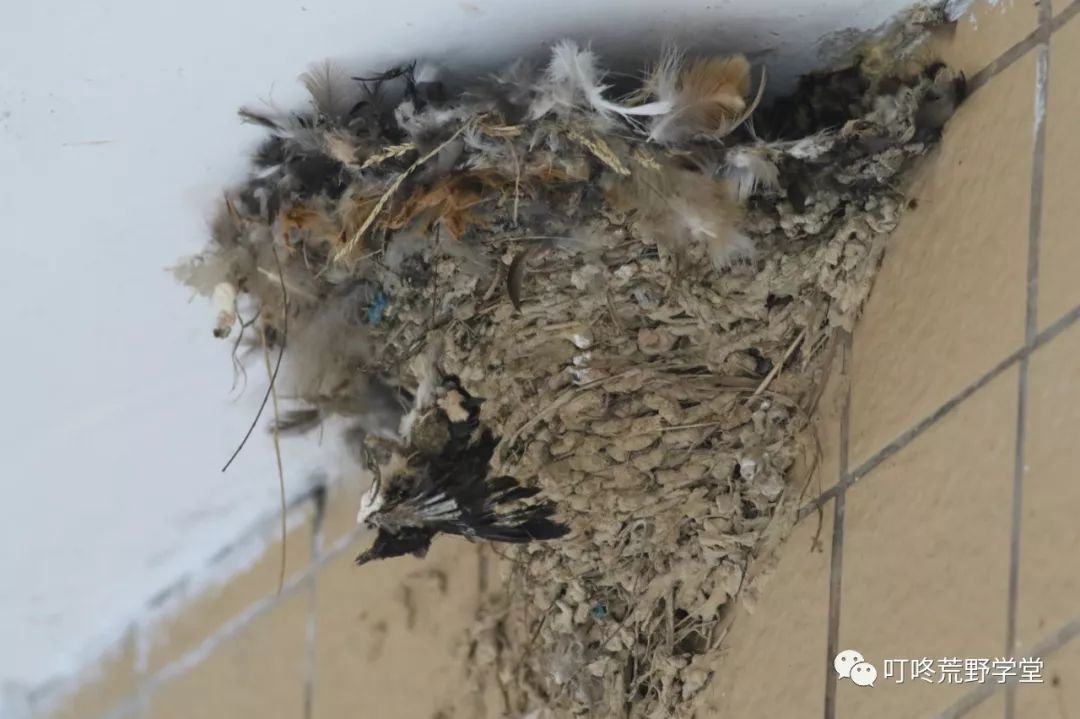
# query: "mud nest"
643, 282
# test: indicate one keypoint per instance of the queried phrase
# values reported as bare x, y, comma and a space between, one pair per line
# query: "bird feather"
573, 80
750, 168
705, 98
333, 93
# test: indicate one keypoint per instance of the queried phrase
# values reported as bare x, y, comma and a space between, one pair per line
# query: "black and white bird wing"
451, 491
401, 514
488, 507
468, 506
414, 508
493, 510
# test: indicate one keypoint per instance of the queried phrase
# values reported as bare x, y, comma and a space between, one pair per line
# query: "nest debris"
645, 291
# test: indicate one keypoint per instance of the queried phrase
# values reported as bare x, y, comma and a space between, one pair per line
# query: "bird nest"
644, 290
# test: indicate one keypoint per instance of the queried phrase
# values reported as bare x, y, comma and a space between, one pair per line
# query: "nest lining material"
644, 289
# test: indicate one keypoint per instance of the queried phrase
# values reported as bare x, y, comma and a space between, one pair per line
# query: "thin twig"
277, 367
532, 237
353, 243
435, 277
779, 365
272, 377
280, 279
494, 284
238, 366
369, 255
517, 178
680, 427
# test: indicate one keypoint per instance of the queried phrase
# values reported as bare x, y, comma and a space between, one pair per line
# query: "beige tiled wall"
393, 634
202, 617
948, 490
1061, 212
113, 682
386, 642
957, 521
1050, 587
257, 672
948, 303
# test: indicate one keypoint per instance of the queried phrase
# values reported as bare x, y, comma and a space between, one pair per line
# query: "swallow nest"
643, 283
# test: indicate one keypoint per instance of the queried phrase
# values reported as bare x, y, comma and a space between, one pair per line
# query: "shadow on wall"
792, 36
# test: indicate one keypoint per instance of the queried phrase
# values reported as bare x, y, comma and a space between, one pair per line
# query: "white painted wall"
117, 131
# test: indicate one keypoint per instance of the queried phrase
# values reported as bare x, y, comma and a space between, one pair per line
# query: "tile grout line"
1038, 163
1048, 24
1048, 646
836, 561
1064, 16
909, 435
833, 636
136, 704
1038, 166
260, 528
1013, 596
1006, 59
229, 629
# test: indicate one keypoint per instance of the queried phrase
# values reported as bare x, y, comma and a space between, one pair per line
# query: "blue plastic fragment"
375, 312
599, 611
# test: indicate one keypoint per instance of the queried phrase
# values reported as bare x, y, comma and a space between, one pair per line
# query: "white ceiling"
117, 132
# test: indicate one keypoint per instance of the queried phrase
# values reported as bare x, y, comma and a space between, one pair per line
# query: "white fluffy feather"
663, 81
427, 72
810, 148
695, 213
427, 377
704, 97
573, 80
738, 247
749, 169
324, 351
430, 120
202, 273
370, 502
333, 93
284, 124
515, 83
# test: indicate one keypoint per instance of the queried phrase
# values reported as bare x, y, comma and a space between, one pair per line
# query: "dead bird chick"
450, 492
449, 425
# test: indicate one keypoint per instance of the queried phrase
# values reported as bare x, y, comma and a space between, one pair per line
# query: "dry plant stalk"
280, 465
346, 252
